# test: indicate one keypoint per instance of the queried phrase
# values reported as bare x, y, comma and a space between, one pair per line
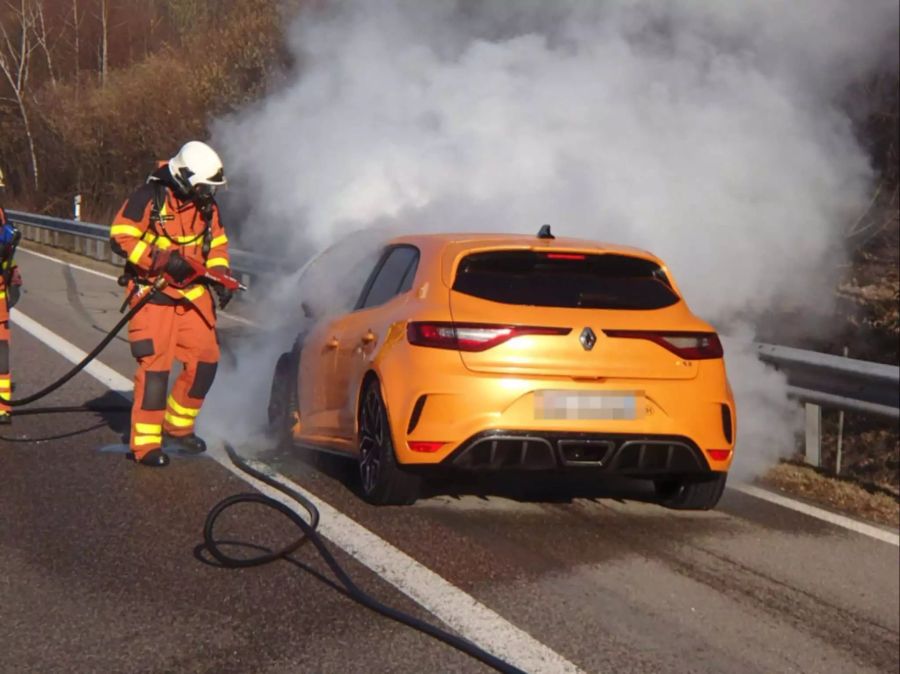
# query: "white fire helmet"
197, 168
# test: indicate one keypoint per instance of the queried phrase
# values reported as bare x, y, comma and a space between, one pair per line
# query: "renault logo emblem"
587, 339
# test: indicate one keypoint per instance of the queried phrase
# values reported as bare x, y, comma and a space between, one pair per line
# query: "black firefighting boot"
188, 444
5, 418
155, 458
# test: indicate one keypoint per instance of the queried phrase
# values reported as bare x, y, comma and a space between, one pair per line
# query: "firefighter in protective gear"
171, 217
10, 283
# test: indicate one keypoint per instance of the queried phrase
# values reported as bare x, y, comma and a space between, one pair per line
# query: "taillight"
471, 336
687, 345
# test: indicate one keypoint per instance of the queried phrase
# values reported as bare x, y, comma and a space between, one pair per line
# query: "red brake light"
718, 454
566, 256
425, 446
687, 345
471, 336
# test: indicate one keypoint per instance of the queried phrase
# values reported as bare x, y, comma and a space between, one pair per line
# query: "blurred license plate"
585, 405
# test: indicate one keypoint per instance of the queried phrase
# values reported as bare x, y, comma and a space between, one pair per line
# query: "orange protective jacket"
156, 218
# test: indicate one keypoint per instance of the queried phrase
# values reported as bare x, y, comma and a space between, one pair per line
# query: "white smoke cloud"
706, 132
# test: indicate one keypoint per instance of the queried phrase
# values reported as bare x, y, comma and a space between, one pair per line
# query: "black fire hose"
349, 588
110, 336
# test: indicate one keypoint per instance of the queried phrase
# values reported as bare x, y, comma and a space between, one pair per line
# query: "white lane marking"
820, 514
455, 607
22, 249
102, 373
224, 314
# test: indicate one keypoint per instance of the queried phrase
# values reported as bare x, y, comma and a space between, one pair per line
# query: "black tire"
382, 480
691, 493
283, 400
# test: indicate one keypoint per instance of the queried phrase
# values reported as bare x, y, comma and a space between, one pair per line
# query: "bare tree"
76, 29
104, 41
15, 63
42, 37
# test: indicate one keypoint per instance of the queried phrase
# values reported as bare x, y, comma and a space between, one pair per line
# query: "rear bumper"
446, 404
613, 454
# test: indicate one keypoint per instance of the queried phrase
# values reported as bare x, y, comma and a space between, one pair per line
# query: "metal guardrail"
822, 380
837, 382
93, 240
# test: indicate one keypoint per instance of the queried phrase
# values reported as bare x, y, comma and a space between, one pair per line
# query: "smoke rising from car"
708, 133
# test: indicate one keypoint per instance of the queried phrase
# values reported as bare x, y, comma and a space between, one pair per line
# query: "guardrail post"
813, 435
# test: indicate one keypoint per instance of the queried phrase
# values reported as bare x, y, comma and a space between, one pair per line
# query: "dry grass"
843, 495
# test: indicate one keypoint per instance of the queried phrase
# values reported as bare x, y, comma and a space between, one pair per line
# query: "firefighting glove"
224, 295
176, 267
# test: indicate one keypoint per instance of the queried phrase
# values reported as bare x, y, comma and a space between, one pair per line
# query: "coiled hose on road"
308, 528
347, 586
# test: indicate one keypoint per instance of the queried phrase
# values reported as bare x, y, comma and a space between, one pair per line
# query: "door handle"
369, 338
332, 343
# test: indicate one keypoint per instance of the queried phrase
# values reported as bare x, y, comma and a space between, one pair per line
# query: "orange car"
494, 352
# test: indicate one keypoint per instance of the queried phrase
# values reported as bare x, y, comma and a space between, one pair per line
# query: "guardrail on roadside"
822, 380
835, 381
90, 239
816, 379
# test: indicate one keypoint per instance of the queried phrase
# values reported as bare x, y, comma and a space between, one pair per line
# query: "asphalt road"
98, 570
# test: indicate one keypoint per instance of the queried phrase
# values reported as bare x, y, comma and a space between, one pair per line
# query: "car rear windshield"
565, 279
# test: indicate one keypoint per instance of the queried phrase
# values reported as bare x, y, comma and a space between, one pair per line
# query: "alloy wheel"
371, 440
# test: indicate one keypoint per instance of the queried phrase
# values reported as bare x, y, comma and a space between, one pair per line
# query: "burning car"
513, 353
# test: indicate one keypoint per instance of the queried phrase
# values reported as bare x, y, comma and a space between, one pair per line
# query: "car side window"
393, 275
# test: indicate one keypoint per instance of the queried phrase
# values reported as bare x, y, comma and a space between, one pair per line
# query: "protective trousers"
5, 378
159, 335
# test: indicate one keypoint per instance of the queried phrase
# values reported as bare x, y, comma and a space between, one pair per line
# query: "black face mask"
204, 199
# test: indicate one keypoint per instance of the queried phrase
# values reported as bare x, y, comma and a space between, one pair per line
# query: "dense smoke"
706, 132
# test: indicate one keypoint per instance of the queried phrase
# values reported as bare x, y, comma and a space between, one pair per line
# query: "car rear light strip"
471, 336
687, 345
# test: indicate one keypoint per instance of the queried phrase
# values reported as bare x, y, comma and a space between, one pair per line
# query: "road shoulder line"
842, 521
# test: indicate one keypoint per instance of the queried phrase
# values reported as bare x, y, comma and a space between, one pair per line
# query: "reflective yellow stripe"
193, 293
217, 262
188, 238
180, 422
2, 294
5, 385
218, 241
181, 409
148, 429
140, 440
163, 243
128, 230
138, 251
